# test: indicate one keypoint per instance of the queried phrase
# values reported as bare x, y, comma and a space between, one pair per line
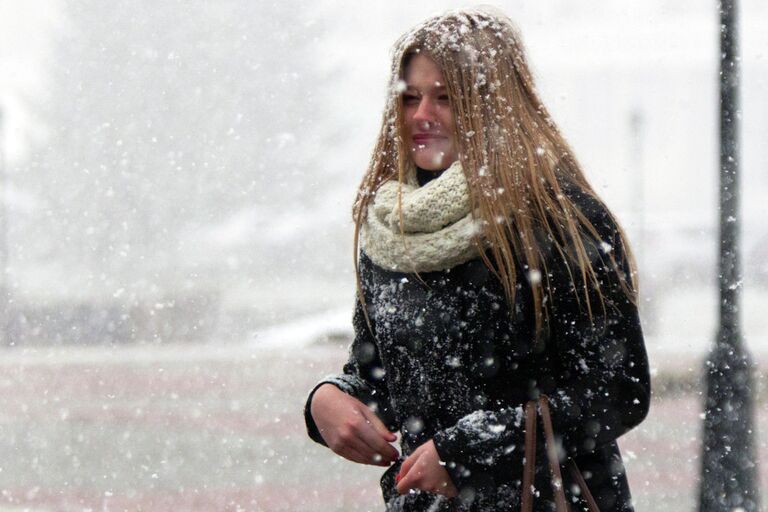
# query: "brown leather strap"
558, 488
591, 503
561, 503
529, 456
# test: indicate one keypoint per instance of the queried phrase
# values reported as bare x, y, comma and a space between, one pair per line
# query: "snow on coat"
448, 362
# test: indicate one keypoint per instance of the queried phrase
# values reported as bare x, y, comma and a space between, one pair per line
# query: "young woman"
489, 272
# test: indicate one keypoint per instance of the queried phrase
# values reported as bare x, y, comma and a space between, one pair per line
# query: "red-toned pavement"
221, 429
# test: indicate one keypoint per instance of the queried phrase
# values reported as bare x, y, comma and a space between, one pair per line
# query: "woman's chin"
432, 160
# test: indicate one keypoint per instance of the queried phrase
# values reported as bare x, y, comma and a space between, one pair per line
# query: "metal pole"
729, 464
4, 287
637, 127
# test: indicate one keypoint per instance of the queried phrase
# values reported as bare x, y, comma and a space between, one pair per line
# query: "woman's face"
429, 126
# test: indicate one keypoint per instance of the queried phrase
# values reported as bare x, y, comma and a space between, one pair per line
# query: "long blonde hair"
512, 153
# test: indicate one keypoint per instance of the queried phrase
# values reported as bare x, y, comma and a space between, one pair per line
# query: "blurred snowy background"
185, 170
177, 180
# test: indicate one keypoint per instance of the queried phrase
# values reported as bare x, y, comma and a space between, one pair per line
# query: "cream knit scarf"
437, 224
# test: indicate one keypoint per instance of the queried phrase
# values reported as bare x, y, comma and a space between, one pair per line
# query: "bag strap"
561, 503
583, 485
558, 488
529, 456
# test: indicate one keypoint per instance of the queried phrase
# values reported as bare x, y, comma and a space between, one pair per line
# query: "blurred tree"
166, 120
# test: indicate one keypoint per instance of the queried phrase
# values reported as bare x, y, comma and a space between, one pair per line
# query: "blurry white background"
175, 162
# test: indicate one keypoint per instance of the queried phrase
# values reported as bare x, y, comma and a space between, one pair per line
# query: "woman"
489, 272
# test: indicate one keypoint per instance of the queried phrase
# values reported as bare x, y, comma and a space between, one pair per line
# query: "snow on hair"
516, 161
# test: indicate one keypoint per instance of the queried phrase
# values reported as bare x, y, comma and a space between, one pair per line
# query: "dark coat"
449, 362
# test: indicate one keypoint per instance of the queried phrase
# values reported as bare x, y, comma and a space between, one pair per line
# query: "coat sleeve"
363, 374
601, 381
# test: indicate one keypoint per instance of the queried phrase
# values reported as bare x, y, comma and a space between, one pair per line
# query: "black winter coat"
448, 362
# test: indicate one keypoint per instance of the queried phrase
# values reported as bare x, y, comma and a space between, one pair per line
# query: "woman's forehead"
424, 71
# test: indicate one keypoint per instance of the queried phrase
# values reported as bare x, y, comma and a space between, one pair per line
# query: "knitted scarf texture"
437, 226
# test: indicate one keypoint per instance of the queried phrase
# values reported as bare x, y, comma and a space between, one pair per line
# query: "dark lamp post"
728, 463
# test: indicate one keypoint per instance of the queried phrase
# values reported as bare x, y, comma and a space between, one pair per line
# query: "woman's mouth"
425, 138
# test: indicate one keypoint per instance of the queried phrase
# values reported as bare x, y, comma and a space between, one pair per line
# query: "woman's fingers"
354, 455
422, 470
351, 446
380, 450
377, 437
379, 425
409, 462
367, 454
358, 433
409, 476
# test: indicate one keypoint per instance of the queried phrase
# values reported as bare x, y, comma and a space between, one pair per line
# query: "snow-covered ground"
220, 427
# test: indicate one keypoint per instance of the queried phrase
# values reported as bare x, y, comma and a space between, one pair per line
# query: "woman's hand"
422, 470
350, 428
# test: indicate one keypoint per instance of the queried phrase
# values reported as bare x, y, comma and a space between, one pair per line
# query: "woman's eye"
443, 98
410, 99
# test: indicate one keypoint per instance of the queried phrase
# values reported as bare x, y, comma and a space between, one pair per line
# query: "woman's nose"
425, 112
